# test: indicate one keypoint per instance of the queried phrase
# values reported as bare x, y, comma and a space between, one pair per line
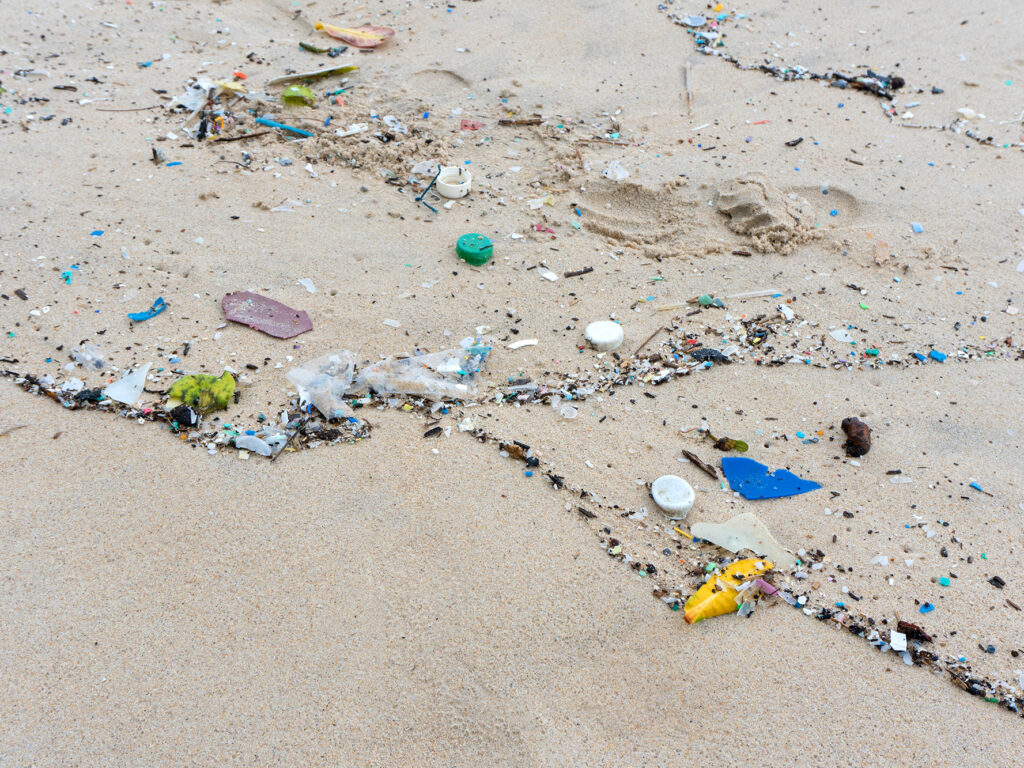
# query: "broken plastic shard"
263, 314
89, 356
707, 601
745, 531
252, 443
128, 388
753, 480
615, 171
897, 640
324, 382
436, 376
158, 306
394, 124
843, 336
306, 283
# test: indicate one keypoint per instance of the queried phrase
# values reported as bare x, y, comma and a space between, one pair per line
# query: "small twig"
689, 91
291, 437
578, 272
580, 158
12, 429
520, 121
129, 109
647, 341
243, 136
603, 141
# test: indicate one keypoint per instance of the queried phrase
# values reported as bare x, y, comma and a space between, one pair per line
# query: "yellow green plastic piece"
203, 392
718, 596
298, 96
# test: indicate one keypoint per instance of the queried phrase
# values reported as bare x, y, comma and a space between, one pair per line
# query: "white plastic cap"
604, 335
674, 495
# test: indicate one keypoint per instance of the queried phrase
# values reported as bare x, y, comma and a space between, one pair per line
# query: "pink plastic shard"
263, 314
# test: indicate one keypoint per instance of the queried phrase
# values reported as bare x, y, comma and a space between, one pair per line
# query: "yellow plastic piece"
710, 601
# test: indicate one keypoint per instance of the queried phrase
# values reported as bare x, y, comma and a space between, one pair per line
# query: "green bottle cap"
474, 249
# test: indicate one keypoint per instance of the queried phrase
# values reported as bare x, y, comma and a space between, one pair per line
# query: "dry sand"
416, 601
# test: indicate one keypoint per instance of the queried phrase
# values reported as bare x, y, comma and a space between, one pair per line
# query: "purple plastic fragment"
263, 314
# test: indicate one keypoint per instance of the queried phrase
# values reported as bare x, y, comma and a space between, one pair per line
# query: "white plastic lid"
674, 495
453, 182
604, 335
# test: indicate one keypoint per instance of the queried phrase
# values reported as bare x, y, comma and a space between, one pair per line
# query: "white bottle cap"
604, 335
674, 495
453, 182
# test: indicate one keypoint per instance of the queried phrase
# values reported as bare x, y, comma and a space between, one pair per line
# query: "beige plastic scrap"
745, 531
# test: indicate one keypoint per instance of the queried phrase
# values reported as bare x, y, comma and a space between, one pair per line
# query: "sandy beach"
380, 597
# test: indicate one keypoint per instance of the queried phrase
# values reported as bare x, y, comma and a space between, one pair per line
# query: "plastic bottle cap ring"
475, 249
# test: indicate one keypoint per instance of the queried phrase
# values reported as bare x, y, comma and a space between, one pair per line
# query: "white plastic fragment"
615, 171
787, 313
674, 495
352, 130
745, 531
128, 388
523, 343
306, 283
897, 640
547, 274
843, 336
604, 335
252, 443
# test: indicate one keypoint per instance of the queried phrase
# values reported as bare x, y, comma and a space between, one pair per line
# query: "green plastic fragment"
298, 96
984, 556
872, 352
710, 567
203, 392
864, 306
704, 300
944, 581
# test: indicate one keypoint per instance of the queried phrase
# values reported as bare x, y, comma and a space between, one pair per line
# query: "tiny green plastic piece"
704, 300
943, 581
203, 392
475, 249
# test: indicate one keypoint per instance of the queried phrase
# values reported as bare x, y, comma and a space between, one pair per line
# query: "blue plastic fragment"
927, 608
977, 486
921, 357
918, 229
96, 232
176, 162
936, 355
158, 306
752, 480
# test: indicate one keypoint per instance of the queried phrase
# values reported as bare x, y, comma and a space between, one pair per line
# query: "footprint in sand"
756, 208
660, 222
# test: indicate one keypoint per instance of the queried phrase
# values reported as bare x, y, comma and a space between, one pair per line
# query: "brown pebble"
858, 436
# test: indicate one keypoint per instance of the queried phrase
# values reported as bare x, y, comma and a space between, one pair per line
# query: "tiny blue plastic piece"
927, 608
918, 229
936, 355
158, 306
752, 480
921, 357
977, 486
